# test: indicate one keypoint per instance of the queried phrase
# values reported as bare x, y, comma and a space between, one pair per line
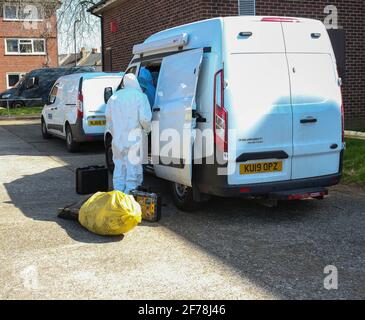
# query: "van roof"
71, 70
219, 22
92, 75
206, 32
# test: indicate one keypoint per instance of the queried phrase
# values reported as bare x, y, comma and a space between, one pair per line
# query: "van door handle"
308, 120
245, 34
156, 110
280, 155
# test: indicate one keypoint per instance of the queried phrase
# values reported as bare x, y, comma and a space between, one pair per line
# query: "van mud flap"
299, 194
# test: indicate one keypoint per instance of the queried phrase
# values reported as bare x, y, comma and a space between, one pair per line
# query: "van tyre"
109, 154
71, 144
183, 197
45, 133
17, 105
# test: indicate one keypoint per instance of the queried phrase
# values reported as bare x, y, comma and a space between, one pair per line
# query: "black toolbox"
91, 180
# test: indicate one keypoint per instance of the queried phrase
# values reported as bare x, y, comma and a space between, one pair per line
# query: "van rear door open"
316, 100
175, 101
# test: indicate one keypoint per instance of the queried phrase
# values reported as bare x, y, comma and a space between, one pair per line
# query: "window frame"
20, 74
19, 53
128, 71
18, 7
56, 85
145, 63
131, 66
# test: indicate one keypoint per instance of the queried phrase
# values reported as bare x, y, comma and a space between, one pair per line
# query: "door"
172, 113
257, 101
58, 108
51, 109
259, 118
316, 99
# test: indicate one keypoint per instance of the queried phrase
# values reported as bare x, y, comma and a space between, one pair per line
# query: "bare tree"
87, 28
67, 11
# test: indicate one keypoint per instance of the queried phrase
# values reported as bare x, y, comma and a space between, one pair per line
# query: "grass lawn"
354, 162
27, 111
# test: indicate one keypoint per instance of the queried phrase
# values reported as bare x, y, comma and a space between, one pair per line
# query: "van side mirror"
51, 99
108, 92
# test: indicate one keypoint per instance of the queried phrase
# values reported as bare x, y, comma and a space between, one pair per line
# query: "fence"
24, 101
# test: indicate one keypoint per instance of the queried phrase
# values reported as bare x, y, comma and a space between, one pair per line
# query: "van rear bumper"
79, 134
265, 189
208, 182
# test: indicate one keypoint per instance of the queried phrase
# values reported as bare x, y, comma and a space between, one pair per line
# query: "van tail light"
313, 195
80, 106
343, 122
220, 113
245, 190
279, 19
342, 118
80, 101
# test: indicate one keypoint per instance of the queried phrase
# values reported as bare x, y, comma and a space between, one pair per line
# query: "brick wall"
136, 21
351, 16
26, 63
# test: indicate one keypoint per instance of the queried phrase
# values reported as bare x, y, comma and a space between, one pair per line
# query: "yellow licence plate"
263, 167
97, 123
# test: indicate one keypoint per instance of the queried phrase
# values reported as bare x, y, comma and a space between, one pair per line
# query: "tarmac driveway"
230, 249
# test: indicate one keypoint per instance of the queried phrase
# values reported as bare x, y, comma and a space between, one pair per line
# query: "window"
148, 78
17, 12
246, 7
25, 46
10, 12
13, 78
38, 46
129, 71
132, 70
12, 46
53, 94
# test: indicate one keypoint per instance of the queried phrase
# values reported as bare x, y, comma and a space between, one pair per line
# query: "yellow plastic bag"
110, 213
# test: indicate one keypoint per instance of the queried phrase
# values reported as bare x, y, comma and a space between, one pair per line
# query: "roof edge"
99, 7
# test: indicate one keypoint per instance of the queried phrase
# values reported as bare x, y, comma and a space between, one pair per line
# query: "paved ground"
231, 249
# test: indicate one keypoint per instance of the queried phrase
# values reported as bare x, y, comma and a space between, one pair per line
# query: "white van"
76, 107
268, 89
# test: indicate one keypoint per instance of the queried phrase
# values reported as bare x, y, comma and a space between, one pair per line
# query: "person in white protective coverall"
128, 112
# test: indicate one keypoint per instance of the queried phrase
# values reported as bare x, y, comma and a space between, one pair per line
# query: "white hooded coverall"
128, 111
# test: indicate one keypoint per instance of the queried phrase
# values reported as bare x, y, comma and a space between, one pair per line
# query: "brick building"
125, 23
28, 38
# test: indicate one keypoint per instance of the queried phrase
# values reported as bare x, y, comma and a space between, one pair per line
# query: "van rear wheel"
183, 197
71, 144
